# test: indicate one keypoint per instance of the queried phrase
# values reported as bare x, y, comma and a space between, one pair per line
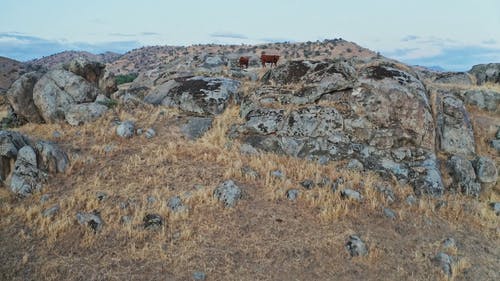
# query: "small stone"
292, 194
52, 211
444, 262
495, 206
411, 200
449, 243
278, 174
325, 182
485, 170
56, 134
336, 183
351, 194
101, 196
248, 171
125, 129
496, 144
389, 213
199, 275
355, 246
355, 165
139, 131
150, 133
248, 149
307, 184
124, 205
93, 220
228, 193
108, 148
44, 198
175, 204
126, 219
152, 221
151, 200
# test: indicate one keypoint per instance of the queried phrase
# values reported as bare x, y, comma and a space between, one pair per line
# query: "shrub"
125, 78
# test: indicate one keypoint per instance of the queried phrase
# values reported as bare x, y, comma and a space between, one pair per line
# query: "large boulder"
485, 73
455, 134
484, 99
20, 97
464, 177
58, 90
453, 78
200, 95
379, 114
25, 165
486, 170
78, 114
89, 70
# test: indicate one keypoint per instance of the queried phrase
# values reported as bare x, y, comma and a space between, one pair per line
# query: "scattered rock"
463, 175
387, 191
292, 194
249, 171
151, 200
51, 157
152, 221
196, 127
495, 206
248, 149
486, 170
351, 194
126, 220
52, 211
101, 196
411, 200
44, 198
355, 164
228, 193
389, 213
307, 184
125, 129
356, 247
150, 133
93, 220
337, 183
175, 204
496, 144
26, 178
449, 243
278, 174
20, 97
444, 262
485, 73
79, 114
199, 275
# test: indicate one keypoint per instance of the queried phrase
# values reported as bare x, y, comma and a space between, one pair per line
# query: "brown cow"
273, 59
244, 61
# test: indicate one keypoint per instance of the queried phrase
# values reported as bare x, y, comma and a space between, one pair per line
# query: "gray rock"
449, 243
495, 206
389, 213
411, 200
337, 183
79, 114
101, 196
455, 78
454, 128
52, 211
199, 275
307, 184
89, 70
356, 247
20, 97
26, 178
445, 262
151, 200
126, 129
175, 204
248, 171
200, 95
292, 194
228, 193
52, 158
126, 220
57, 90
387, 191
351, 194
196, 127
248, 149
486, 170
92, 220
355, 164
278, 174
152, 221
150, 133
485, 73
44, 198
496, 144
484, 99
498, 134
139, 131
56, 134
463, 175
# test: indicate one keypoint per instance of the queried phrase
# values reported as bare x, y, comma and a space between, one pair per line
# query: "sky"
452, 34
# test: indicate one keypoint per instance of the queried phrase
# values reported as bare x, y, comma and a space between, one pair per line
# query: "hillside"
336, 164
10, 70
66, 56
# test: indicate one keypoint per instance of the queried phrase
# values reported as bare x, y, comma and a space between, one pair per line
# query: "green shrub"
125, 78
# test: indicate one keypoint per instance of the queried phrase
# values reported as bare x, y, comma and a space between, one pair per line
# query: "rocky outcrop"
455, 134
486, 73
453, 78
20, 97
25, 165
62, 94
322, 111
463, 175
484, 99
200, 95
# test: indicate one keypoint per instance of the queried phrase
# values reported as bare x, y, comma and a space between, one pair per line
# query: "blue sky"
452, 34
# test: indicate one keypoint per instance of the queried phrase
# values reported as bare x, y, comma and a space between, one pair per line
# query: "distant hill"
10, 70
66, 56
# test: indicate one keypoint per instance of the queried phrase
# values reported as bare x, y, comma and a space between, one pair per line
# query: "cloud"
490, 42
409, 38
276, 40
228, 35
24, 47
